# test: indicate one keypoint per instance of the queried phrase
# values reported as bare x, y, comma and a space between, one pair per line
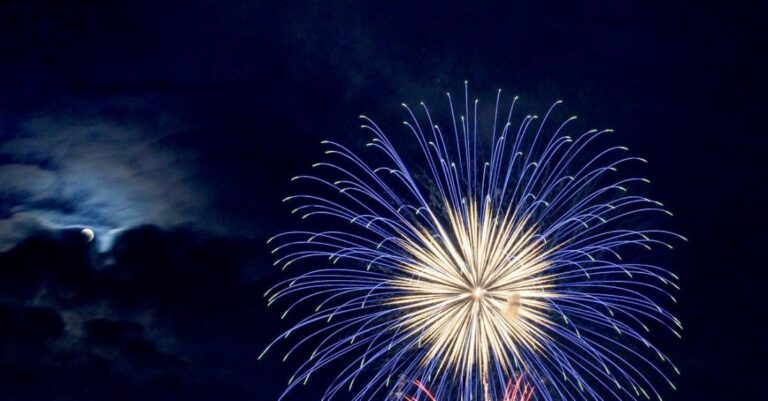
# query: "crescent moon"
88, 234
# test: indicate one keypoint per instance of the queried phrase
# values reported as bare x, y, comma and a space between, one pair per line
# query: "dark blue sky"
173, 131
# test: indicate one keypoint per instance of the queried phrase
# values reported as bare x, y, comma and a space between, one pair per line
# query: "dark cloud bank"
172, 314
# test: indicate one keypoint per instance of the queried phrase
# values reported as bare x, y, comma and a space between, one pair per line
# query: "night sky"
172, 130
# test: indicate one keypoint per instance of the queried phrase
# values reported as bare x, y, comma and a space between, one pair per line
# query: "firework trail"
512, 392
495, 250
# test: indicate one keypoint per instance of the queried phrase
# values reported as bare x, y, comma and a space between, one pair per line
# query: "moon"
88, 234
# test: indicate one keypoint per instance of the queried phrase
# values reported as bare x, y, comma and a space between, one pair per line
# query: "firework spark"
498, 251
518, 391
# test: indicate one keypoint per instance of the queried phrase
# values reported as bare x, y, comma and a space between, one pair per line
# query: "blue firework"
497, 249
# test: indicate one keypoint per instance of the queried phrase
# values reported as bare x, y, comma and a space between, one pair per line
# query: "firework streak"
498, 249
512, 392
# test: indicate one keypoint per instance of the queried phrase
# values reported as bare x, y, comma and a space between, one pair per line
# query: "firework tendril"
496, 249
517, 391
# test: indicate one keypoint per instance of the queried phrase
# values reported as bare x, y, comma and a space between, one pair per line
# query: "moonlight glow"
505, 248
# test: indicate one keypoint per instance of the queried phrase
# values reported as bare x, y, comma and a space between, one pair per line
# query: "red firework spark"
514, 391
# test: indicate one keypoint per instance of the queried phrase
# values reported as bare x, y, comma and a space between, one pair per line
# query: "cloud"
24, 182
16, 228
111, 165
174, 314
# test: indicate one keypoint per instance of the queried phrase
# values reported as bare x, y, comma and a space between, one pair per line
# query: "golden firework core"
465, 285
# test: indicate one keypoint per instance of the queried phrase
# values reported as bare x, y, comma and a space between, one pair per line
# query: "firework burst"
496, 252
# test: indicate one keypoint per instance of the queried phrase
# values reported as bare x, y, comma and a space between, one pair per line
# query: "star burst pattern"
503, 249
